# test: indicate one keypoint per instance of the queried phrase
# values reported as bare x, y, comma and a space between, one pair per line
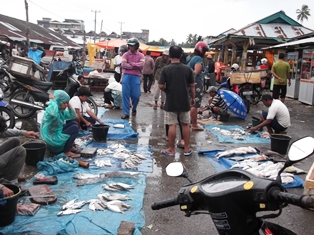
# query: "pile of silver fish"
267, 169
102, 162
236, 133
85, 178
72, 207
119, 151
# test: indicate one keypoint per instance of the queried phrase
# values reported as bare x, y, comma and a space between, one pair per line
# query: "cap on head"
84, 91
212, 88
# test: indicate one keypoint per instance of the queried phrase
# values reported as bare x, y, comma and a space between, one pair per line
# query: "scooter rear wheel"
92, 104
21, 111
8, 116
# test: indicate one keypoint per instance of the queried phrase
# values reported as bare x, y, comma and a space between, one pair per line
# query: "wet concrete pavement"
149, 124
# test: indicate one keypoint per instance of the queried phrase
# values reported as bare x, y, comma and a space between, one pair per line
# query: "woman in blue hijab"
59, 136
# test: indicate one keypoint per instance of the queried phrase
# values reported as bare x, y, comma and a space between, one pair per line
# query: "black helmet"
133, 42
123, 49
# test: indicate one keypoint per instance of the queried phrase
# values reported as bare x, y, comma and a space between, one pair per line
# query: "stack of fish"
236, 133
119, 151
72, 207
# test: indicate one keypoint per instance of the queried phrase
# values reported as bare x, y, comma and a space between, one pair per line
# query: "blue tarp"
57, 65
46, 221
252, 138
224, 164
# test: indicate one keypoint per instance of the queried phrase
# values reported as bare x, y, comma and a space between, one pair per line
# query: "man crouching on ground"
277, 119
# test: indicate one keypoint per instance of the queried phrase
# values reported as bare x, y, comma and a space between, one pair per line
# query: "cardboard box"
309, 182
26, 68
240, 78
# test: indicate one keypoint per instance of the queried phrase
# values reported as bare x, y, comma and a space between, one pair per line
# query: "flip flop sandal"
197, 129
165, 152
188, 153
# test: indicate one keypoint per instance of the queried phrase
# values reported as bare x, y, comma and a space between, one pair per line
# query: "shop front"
306, 92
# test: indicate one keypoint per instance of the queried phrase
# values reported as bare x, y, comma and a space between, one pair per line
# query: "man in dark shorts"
277, 119
176, 79
281, 73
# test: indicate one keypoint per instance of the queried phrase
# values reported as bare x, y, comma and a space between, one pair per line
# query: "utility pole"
100, 31
121, 29
95, 25
27, 25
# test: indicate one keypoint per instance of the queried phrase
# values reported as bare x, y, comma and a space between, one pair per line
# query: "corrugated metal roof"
272, 30
293, 43
15, 30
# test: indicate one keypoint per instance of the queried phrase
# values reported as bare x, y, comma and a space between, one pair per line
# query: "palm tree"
304, 13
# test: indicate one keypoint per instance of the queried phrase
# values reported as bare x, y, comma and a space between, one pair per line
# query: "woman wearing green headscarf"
59, 136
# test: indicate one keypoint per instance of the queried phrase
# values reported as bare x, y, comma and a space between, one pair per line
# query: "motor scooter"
238, 201
28, 95
5, 77
6, 111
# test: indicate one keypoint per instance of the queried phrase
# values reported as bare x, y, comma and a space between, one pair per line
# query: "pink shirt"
132, 63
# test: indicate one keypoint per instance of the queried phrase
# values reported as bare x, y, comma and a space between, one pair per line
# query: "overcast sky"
168, 19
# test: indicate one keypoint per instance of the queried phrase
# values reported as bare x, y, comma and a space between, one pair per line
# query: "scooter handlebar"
164, 204
303, 201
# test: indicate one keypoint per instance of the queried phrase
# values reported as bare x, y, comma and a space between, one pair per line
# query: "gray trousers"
12, 158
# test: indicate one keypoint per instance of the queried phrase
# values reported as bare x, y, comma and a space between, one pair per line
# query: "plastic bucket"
100, 132
279, 143
255, 121
224, 117
8, 206
35, 152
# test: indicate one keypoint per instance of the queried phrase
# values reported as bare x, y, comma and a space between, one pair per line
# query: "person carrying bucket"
277, 119
12, 156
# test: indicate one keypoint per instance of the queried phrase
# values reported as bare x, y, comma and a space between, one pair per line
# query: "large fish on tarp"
94, 179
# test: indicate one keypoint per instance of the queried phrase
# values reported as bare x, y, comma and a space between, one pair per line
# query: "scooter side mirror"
301, 149
175, 169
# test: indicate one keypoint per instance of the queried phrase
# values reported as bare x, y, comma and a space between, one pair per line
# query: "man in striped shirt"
216, 104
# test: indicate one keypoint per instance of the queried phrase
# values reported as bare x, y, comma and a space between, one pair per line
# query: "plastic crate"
240, 78
26, 68
309, 182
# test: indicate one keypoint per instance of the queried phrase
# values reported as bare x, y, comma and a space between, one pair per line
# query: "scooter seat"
42, 85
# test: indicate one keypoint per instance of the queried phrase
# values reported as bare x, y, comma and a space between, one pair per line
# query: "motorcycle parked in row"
6, 112
5, 77
238, 201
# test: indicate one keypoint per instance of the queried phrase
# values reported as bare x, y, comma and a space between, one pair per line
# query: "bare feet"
197, 128
72, 155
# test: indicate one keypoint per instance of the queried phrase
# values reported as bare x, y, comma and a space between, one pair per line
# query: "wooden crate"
26, 68
309, 182
240, 78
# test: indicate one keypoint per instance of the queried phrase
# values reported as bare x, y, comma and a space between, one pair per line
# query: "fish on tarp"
68, 204
77, 205
236, 151
114, 196
68, 212
106, 175
82, 176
